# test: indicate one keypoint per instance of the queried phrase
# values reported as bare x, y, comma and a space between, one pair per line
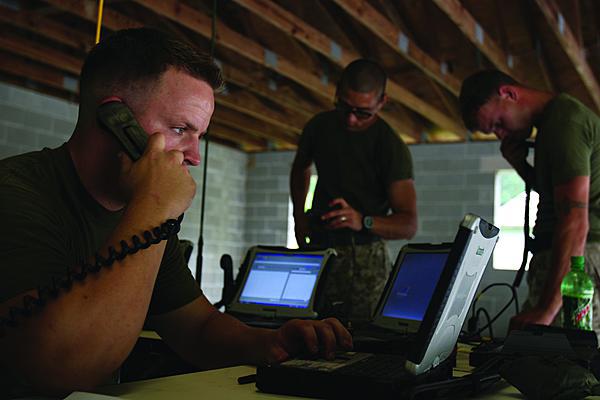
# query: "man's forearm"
401, 225
299, 183
225, 341
569, 240
91, 327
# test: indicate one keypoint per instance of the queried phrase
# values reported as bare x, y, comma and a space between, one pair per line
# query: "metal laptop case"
438, 333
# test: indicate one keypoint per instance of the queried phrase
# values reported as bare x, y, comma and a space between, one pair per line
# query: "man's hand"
342, 217
535, 315
159, 178
307, 337
301, 229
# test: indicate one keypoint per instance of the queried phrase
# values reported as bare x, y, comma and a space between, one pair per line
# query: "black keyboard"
383, 366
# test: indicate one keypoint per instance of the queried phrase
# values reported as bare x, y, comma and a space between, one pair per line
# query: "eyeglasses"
360, 113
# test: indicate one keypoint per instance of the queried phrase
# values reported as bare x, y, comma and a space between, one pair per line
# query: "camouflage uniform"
356, 279
538, 271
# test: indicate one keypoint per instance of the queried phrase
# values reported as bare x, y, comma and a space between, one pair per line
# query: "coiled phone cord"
31, 304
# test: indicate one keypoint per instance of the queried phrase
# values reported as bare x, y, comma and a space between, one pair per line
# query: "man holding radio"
365, 191
67, 204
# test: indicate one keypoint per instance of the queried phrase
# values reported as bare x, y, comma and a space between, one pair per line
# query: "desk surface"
222, 384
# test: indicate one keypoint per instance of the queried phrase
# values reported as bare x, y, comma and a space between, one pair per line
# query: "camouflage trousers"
538, 271
356, 279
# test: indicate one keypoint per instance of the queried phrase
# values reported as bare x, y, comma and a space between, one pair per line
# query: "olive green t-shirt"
50, 222
567, 145
357, 166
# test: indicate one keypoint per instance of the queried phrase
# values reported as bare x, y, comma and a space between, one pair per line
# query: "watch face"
368, 222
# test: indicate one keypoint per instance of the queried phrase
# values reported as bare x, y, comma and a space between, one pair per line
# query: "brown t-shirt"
358, 166
567, 145
51, 223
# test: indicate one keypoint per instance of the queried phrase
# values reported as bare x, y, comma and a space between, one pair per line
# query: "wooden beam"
88, 9
540, 54
319, 42
230, 73
35, 23
247, 104
232, 40
398, 40
253, 126
44, 75
236, 136
252, 107
35, 51
256, 83
476, 34
574, 51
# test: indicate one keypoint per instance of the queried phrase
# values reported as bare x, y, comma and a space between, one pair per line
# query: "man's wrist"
367, 223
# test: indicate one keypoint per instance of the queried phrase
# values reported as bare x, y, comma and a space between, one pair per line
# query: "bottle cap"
577, 262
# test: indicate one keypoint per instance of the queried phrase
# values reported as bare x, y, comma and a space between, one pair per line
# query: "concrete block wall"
268, 198
225, 214
30, 121
450, 180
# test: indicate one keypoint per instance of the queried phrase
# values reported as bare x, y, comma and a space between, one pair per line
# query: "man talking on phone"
60, 207
365, 191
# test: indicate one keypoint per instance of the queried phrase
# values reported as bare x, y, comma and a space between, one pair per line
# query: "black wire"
488, 287
487, 317
199, 256
469, 337
33, 304
478, 332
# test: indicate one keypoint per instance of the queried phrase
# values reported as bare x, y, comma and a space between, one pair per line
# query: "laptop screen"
414, 285
282, 279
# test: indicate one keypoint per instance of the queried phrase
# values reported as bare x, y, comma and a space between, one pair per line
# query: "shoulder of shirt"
385, 129
26, 167
322, 117
569, 105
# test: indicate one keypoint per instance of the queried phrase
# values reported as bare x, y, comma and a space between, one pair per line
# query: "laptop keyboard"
384, 366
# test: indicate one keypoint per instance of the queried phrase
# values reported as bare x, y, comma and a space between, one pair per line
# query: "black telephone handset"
117, 118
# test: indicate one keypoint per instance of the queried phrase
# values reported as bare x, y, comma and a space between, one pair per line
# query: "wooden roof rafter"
321, 43
469, 26
399, 41
571, 47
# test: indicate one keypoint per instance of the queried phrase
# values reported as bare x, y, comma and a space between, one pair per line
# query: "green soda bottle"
577, 292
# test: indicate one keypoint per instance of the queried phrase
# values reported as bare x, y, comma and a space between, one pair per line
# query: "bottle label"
577, 313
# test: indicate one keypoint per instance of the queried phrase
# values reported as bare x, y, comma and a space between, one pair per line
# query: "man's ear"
508, 92
384, 100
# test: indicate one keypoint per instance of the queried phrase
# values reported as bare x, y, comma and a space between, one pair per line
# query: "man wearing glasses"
365, 191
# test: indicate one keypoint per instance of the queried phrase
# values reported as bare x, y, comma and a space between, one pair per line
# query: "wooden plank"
398, 40
477, 35
44, 75
201, 23
247, 104
563, 33
34, 51
319, 42
46, 27
257, 84
253, 126
236, 135
88, 9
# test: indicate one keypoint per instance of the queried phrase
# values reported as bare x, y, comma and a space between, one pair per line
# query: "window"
291, 236
509, 212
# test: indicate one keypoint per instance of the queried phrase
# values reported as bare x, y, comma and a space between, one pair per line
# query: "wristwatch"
367, 222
